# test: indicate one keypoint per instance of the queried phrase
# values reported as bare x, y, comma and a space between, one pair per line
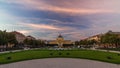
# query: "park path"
60, 63
105, 50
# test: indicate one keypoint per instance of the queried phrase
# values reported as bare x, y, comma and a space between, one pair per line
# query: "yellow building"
96, 37
60, 42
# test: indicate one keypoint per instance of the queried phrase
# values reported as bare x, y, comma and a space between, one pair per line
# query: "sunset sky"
74, 19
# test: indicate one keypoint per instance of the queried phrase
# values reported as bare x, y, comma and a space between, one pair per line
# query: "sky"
74, 19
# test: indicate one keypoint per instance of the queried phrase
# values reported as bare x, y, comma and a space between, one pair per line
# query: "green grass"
39, 54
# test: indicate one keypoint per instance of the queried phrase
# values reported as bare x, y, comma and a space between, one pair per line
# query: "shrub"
67, 53
9, 58
51, 53
118, 54
108, 57
60, 53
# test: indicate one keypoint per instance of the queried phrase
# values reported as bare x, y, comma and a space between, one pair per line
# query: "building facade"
95, 37
30, 37
60, 42
19, 36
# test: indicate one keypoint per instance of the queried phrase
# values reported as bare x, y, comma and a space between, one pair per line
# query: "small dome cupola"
60, 36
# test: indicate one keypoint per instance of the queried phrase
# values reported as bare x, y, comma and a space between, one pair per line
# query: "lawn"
39, 54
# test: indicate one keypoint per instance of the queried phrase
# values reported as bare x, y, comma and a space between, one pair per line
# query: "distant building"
30, 37
60, 42
111, 32
19, 36
95, 37
98, 37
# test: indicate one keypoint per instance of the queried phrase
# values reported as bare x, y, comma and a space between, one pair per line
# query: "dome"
60, 36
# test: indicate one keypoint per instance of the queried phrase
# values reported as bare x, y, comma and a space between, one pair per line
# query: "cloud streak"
40, 26
42, 5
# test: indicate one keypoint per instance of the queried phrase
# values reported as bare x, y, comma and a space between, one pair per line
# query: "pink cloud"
41, 5
24, 31
40, 26
43, 26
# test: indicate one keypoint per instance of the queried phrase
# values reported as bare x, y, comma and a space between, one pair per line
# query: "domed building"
60, 42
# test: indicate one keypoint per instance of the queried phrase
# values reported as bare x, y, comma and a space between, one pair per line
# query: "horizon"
74, 19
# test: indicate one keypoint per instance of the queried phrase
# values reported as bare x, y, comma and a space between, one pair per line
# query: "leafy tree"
110, 39
11, 38
77, 42
33, 43
6, 37
3, 38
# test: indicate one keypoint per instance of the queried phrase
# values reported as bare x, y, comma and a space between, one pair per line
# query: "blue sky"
74, 19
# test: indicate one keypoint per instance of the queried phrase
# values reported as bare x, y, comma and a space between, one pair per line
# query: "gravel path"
60, 63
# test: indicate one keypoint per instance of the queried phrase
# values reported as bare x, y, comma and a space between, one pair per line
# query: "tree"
34, 43
11, 38
7, 38
77, 42
3, 38
110, 39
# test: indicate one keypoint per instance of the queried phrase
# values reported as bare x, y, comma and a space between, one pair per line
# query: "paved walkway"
106, 50
110, 51
11, 51
60, 63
